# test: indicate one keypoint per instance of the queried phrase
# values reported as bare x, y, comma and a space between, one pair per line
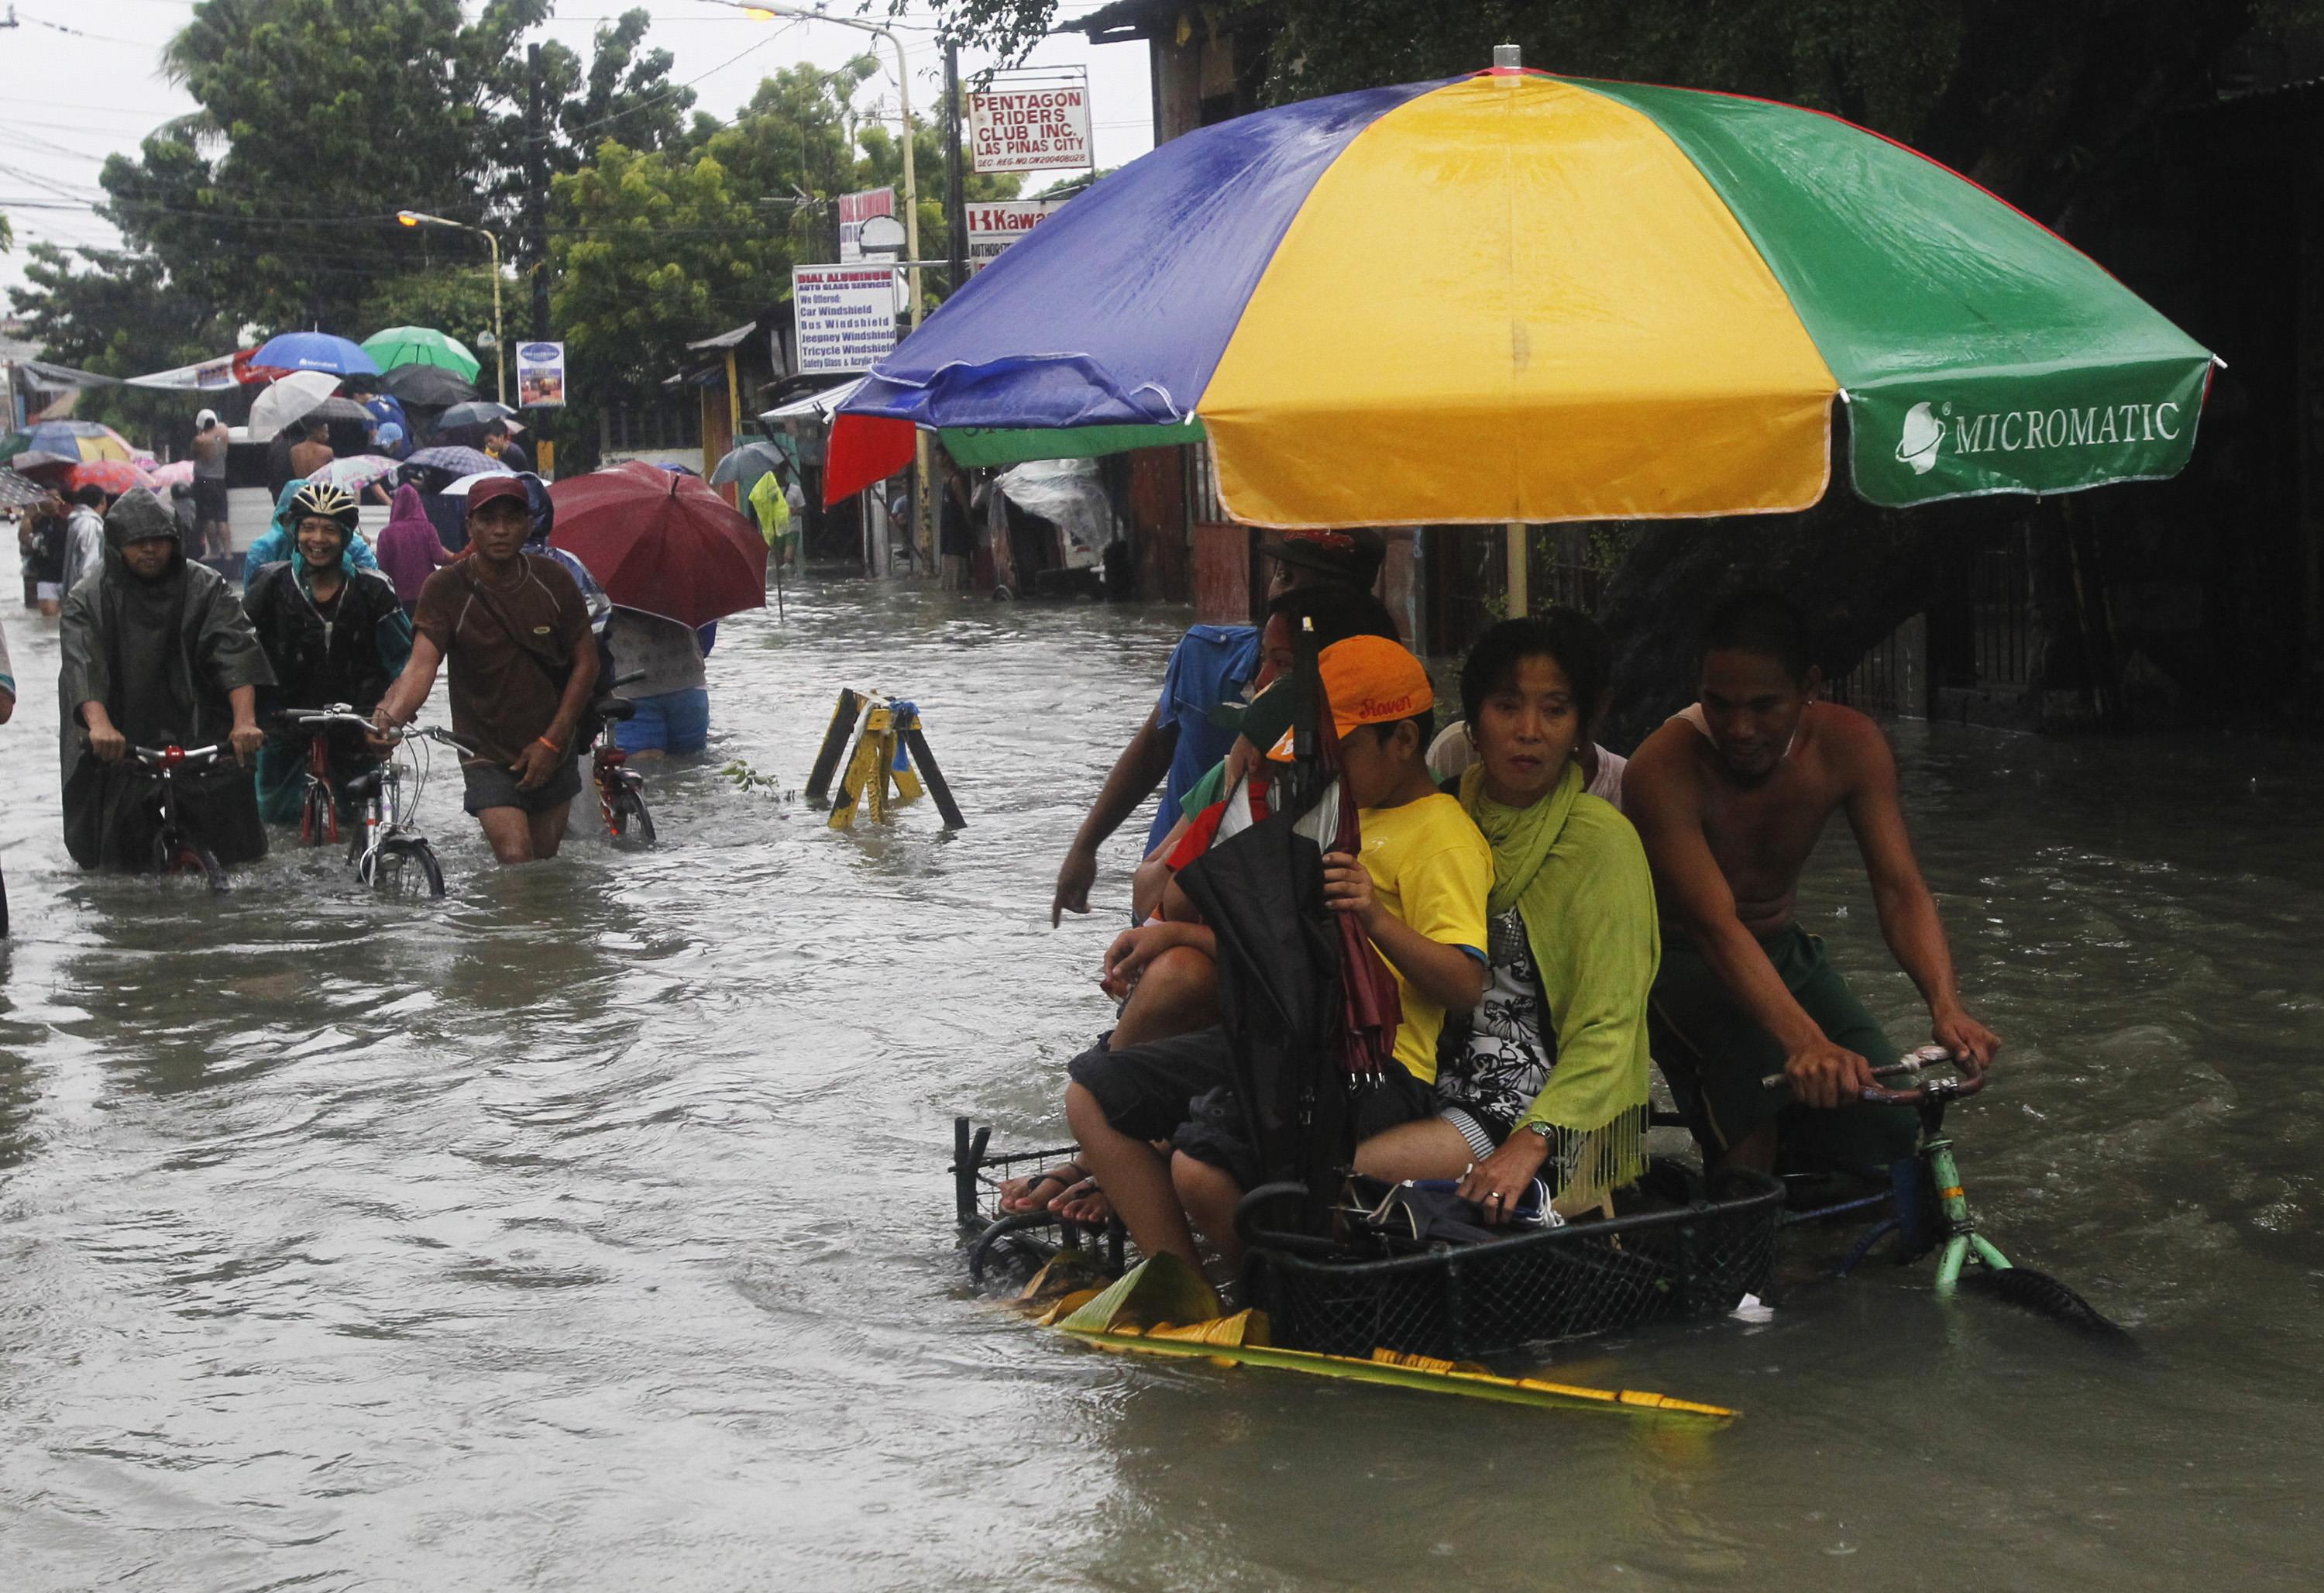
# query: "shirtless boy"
1730, 797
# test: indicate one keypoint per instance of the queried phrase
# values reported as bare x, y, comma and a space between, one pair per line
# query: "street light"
499, 343
760, 12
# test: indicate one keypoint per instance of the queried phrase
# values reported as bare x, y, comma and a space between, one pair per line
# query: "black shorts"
1182, 1089
491, 785
1214, 1130
209, 497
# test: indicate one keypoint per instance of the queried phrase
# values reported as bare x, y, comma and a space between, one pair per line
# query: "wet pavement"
590, 1228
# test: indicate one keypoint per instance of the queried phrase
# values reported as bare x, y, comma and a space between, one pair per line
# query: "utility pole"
955, 182
536, 230
536, 190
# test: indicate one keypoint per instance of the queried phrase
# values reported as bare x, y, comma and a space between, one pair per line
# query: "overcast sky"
81, 82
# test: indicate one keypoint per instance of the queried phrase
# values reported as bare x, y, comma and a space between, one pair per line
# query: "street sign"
1032, 124
845, 315
854, 210
539, 376
993, 228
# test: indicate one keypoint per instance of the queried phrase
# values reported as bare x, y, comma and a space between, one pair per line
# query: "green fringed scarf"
1574, 870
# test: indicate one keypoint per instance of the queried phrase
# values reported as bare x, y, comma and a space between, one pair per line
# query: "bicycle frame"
319, 777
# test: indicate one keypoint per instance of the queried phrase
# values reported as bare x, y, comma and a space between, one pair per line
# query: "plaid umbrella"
17, 491
459, 461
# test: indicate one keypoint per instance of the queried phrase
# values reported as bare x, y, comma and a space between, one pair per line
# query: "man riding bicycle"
156, 652
1730, 797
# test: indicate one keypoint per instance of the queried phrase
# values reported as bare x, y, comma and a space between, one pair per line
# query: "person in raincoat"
278, 542
333, 635
410, 550
771, 503
155, 652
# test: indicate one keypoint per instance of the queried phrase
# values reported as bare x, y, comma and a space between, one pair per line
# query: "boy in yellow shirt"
1419, 890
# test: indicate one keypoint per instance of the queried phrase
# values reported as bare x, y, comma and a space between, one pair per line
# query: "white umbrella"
459, 489
358, 470
290, 399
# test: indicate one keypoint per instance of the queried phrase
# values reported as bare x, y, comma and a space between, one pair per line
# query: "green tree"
652, 250
320, 120
119, 314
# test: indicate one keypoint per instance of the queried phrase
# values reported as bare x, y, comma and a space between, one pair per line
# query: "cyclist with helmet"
275, 544
334, 634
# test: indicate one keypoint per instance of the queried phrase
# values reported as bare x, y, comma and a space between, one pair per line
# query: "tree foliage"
320, 120
2029, 99
120, 315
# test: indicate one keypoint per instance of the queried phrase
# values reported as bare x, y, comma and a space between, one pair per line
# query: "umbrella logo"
1923, 434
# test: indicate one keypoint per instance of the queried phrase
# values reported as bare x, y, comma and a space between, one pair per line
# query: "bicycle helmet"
320, 500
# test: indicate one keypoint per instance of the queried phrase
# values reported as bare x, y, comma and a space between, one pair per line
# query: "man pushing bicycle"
1730, 796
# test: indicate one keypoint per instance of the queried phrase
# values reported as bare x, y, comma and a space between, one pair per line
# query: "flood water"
591, 1230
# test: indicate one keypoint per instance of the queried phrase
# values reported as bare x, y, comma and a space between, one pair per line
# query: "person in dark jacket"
155, 652
333, 632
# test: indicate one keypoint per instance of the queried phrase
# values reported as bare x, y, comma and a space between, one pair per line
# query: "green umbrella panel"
402, 346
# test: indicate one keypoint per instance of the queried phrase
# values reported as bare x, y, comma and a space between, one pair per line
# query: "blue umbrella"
315, 351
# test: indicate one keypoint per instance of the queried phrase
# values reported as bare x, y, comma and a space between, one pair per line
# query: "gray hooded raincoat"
161, 655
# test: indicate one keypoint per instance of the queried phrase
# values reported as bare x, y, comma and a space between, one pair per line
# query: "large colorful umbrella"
396, 347
315, 351
69, 440
1518, 297
661, 543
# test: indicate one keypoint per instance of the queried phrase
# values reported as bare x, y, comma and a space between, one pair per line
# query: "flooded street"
591, 1230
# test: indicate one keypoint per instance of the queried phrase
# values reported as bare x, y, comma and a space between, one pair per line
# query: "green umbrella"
399, 345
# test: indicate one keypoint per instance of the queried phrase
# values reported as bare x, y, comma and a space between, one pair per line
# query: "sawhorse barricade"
892, 752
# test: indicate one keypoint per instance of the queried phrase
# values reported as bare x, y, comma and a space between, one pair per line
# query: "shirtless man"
1730, 797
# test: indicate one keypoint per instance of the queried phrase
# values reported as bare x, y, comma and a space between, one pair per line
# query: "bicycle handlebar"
172, 756
1928, 1056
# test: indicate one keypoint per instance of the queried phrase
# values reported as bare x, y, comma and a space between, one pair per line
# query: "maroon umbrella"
661, 543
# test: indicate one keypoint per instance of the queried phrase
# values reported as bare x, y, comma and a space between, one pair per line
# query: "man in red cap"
516, 630
1212, 665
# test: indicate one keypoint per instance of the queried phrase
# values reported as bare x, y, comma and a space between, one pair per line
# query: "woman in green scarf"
1548, 1078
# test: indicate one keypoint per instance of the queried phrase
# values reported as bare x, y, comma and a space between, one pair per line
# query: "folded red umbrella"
661, 543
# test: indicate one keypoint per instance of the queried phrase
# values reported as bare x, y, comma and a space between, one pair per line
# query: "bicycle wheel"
629, 819
408, 870
2044, 1295
315, 817
182, 854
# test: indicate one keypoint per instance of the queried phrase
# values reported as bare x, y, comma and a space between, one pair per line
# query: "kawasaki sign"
2054, 433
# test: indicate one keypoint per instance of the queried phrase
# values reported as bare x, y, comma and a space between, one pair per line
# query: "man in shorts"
516, 631
1730, 796
211, 538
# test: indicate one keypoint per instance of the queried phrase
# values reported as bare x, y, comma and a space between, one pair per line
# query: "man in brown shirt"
516, 630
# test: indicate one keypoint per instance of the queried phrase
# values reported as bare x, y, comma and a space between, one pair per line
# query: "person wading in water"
516, 630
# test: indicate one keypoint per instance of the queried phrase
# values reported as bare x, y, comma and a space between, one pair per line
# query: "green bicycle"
1964, 1255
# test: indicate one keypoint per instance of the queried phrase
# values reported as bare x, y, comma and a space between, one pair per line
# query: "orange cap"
1369, 680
